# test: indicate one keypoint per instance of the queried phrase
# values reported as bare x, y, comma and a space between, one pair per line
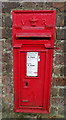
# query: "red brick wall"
58, 79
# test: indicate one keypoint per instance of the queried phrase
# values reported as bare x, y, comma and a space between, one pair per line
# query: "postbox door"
31, 78
32, 82
32, 66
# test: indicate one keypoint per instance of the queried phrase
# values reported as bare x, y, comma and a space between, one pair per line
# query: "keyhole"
26, 83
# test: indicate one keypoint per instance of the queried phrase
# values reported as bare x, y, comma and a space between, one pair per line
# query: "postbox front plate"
33, 39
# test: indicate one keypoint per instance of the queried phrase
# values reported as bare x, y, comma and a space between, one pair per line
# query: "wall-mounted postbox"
33, 43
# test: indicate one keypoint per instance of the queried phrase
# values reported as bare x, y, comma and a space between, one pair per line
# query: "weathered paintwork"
32, 33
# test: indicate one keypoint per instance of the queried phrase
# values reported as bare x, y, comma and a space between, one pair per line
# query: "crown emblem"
33, 21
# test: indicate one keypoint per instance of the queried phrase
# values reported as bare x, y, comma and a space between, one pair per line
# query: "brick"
8, 46
32, 5
61, 110
1, 20
61, 92
64, 47
59, 59
1, 115
7, 22
8, 89
54, 91
64, 34
60, 34
40, 5
64, 20
6, 33
64, 59
65, 97
57, 101
48, 5
0, 91
0, 33
56, 70
7, 68
64, 92
0, 6
0, 51
65, 110
59, 81
54, 110
0, 107
59, 5
8, 6
64, 6
6, 80
63, 71
3, 33
7, 58
0, 81
59, 19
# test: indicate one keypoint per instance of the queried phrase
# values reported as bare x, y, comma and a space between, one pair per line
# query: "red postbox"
33, 42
